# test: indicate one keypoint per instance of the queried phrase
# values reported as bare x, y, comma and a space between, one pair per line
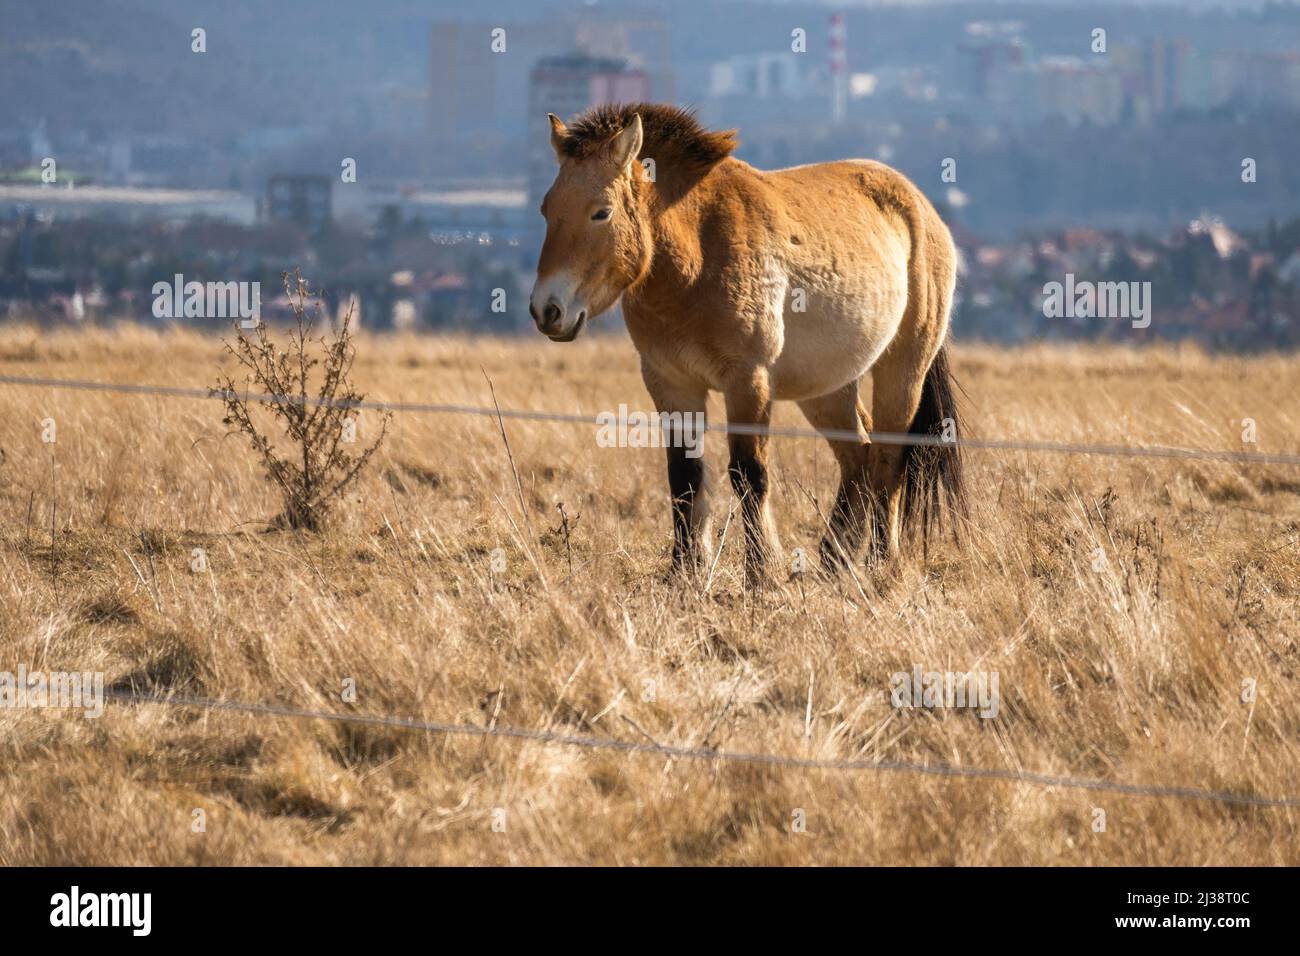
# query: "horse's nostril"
582, 315
552, 313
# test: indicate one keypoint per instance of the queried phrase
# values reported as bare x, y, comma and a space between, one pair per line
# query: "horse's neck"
678, 256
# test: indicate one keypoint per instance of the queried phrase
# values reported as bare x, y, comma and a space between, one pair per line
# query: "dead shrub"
319, 420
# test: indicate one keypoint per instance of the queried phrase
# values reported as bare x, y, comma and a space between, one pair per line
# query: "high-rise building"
462, 78
303, 200
480, 72
566, 86
989, 51
759, 76
1167, 64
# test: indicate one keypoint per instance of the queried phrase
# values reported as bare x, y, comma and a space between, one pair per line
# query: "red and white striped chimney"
839, 69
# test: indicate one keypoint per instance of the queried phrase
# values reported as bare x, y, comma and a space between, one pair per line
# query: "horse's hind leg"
841, 411
895, 395
749, 404
897, 382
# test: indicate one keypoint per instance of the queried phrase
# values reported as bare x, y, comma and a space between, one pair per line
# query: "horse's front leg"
749, 414
683, 438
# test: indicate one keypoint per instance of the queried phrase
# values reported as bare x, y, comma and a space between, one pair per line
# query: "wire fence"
685, 752
733, 428
711, 754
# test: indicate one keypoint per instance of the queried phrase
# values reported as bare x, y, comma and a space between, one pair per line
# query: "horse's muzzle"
557, 308
570, 335
553, 321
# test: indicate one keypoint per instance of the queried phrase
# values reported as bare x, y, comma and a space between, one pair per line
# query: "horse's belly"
837, 338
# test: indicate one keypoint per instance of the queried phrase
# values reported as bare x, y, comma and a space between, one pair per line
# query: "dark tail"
932, 474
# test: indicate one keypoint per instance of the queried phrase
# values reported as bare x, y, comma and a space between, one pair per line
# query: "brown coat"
789, 284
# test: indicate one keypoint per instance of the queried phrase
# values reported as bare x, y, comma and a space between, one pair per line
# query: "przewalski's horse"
790, 284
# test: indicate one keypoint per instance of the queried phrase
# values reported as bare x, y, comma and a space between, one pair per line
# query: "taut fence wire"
883, 438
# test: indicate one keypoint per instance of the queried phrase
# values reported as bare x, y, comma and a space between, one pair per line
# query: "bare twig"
523, 507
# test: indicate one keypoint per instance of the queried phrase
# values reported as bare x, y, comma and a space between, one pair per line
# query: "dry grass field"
1131, 673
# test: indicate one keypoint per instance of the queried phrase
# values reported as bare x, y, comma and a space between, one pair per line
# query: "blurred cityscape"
397, 151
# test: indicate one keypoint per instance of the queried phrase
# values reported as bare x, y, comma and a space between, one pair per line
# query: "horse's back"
858, 199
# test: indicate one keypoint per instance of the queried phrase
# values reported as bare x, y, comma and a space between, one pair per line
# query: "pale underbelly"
832, 341
826, 349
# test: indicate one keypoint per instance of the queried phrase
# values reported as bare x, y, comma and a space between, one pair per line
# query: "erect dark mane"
670, 135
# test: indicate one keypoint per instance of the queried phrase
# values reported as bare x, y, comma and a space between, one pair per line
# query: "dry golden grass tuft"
1133, 673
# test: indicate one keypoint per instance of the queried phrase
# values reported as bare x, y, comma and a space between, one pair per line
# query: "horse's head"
597, 237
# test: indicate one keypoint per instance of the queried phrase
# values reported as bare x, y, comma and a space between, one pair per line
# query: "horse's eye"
600, 215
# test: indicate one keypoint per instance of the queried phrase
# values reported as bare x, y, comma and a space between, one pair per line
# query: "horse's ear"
557, 136
626, 146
